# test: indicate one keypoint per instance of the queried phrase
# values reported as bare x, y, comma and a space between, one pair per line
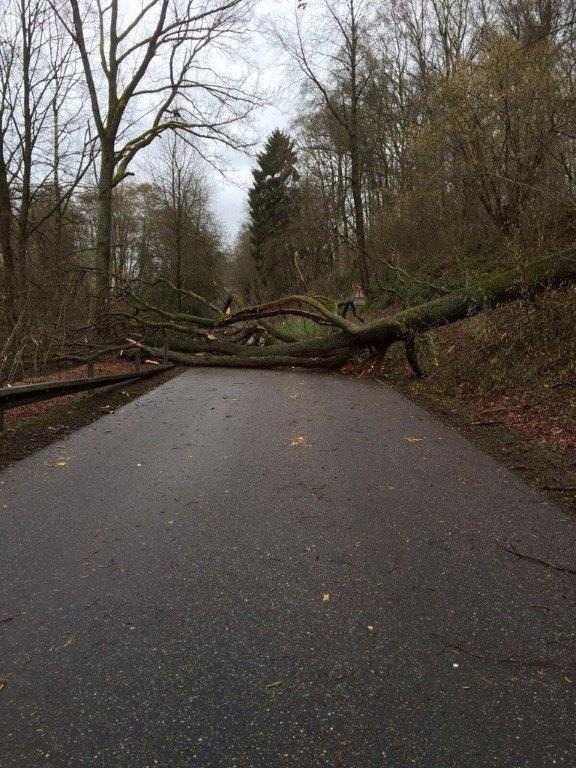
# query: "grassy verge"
301, 328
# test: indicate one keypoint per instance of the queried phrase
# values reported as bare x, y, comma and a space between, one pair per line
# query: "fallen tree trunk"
347, 339
502, 288
271, 360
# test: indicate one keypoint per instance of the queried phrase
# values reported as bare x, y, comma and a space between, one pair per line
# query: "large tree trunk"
269, 360
359, 218
348, 340
6, 246
353, 47
178, 281
104, 221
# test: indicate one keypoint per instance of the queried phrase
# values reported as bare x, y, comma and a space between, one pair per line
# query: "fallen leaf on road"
326, 597
3, 684
297, 441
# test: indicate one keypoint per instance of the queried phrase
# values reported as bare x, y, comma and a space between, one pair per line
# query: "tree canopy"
273, 202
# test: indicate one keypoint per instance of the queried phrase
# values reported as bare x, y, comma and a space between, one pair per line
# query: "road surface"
258, 570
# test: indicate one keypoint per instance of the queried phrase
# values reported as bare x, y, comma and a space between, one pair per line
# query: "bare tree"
7, 108
185, 204
341, 85
149, 73
41, 139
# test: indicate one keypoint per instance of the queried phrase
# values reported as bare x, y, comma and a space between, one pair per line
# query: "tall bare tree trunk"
179, 283
6, 248
359, 220
349, 29
28, 20
355, 157
104, 218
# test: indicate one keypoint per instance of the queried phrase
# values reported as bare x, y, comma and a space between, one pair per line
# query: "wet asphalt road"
255, 570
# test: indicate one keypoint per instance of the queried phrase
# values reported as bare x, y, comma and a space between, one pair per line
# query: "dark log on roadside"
248, 361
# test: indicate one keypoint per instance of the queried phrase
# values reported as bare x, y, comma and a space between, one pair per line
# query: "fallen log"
348, 340
203, 360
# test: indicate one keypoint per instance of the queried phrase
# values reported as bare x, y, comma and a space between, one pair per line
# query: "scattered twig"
561, 384
503, 660
539, 560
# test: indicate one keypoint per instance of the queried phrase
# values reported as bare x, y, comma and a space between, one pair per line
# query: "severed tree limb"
246, 361
182, 317
292, 305
188, 293
209, 347
159, 325
244, 315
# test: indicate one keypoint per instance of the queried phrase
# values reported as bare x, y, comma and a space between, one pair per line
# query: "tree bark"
6, 248
261, 361
356, 185
355, 155
104, 231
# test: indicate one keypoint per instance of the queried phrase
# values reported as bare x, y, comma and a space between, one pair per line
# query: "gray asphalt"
257, 569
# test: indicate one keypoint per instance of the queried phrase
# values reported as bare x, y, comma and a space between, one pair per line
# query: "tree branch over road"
347, 340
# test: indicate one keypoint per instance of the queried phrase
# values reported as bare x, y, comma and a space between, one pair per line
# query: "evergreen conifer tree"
273, 202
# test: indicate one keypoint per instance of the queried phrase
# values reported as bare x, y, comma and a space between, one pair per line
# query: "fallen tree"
220, 339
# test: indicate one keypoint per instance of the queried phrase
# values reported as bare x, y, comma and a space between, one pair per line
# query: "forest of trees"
432, 159
436, 142
88, 212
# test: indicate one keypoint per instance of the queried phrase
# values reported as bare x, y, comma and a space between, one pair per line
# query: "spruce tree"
272, 201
